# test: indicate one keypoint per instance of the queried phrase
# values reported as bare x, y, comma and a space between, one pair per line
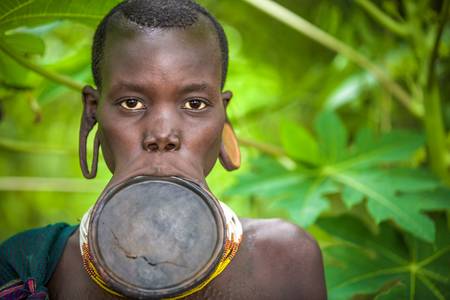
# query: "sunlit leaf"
298, 143
14, 13
25, 43
332, 136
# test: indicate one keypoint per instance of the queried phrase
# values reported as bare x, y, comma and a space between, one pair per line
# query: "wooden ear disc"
156, 237
230, 155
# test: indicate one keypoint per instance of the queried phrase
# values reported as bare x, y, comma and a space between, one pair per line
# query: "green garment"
33, 254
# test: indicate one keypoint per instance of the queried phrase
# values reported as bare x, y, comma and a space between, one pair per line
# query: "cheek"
205, 144
118, 144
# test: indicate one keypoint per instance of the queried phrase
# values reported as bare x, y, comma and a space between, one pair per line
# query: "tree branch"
264, 148
437, 41
383, 19
42, 184
433, 121
313, 32
58, 78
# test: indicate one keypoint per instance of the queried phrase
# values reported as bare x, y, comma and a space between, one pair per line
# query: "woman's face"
161, 111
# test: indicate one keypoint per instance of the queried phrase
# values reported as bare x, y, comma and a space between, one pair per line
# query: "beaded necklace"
233, 240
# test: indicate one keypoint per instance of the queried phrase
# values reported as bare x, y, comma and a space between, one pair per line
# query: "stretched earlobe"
88, 121
83, 156
230, 155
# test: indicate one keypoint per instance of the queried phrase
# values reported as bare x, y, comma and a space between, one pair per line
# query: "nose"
161, 142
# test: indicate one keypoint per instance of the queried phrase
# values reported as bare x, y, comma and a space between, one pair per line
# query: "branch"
434, 121
58, 78
32, 148
41, 184
313, 32
386, 21
437, 41
264, 148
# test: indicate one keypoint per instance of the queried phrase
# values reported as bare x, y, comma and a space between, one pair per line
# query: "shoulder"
289, 256
33, 253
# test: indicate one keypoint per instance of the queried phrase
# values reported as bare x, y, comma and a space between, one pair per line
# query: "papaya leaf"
267, 178
306, 200
15, 13
369, 150
372, 168
11, 73
298, 143
332, 136
384, 202
394, 292
25, 43
351, 196
361, 263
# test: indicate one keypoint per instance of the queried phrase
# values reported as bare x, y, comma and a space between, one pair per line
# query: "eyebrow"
137, 87
194, 87
127, 85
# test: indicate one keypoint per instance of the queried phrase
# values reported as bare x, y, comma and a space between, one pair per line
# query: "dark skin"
161, 112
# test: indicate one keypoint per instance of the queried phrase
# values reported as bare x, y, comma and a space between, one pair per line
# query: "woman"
159, 68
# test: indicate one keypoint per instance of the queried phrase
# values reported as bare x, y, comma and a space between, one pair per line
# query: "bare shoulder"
289, 256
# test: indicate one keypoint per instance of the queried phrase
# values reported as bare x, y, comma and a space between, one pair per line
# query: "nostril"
170, 147
152, 147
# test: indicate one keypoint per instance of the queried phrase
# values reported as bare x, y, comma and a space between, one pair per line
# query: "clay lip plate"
156, 237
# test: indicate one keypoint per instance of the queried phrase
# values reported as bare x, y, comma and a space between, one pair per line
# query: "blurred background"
341, 107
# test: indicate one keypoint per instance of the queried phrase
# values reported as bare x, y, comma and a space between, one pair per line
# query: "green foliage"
385, 265
371, 168
17, 13
345, 102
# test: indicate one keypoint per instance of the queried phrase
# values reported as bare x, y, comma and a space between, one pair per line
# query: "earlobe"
90, 98
230, 154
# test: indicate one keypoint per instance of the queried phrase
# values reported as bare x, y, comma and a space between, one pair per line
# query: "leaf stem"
383, 19
58, 78
42, 184
264, 148
433, 120
313, 32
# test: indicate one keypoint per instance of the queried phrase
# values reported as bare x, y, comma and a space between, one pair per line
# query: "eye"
132, 104
195, 104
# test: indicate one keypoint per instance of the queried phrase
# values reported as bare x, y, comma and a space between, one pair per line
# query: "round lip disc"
156, 237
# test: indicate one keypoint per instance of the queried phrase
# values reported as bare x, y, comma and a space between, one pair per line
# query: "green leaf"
351, 196
25, 43
307, 200
361, 263
394, 292
298, 143
267, 178
332, 136
369, 150
384, 202
15, 13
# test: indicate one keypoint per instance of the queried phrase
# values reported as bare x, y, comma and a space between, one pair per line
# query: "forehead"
168, 56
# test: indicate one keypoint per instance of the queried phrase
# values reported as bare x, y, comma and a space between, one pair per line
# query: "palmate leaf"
363, 170
25, 43
299, 143
361, 263
306, 200
15, 13
332, 137
382, 190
